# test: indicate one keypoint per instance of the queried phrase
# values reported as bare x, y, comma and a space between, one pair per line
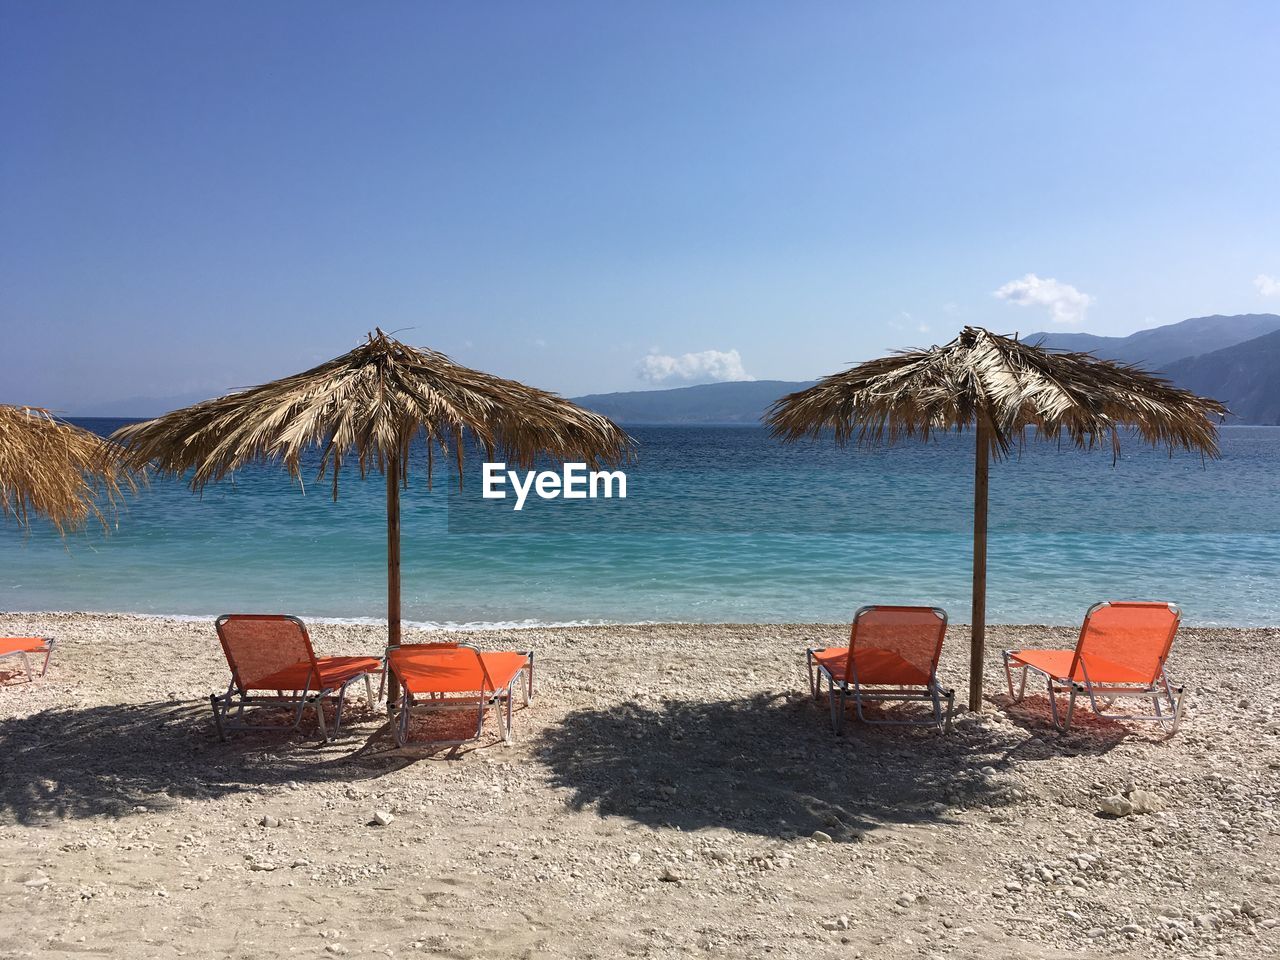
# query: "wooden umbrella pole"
393, 569
977, 650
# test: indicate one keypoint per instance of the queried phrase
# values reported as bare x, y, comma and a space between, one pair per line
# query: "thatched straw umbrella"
1000, 387
371, 404
50, 468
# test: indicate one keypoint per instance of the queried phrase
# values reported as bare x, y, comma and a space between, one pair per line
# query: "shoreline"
503, 626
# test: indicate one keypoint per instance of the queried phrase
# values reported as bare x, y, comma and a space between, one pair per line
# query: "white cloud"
1066, 304
1267, 286
709, 366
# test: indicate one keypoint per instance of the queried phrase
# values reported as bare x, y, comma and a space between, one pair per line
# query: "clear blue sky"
200, 196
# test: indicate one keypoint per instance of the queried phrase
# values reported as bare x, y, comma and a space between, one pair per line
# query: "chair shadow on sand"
1089, 733
766, 764
107, 760
770, 765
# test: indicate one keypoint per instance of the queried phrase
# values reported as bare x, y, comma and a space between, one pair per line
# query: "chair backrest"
1134, 635
259, 645
913, 633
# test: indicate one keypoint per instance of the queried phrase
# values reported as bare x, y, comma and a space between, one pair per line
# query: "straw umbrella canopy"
52, 469
998, 386
371, 404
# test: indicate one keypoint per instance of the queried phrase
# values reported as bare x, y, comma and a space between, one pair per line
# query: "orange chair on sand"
449, 677
1121, 653
892, 655
22, 647
272, 652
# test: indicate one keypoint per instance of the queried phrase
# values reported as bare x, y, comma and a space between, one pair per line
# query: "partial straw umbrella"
999, 387
61, 472
371, 404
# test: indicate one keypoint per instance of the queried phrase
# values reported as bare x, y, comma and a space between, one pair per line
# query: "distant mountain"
1232, 359
737, 402
1246, 377
1235, 359
1158, 347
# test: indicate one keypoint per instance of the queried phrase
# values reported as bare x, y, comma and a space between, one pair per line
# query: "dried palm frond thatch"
1000, 387
370, 405
981, 378
52, 469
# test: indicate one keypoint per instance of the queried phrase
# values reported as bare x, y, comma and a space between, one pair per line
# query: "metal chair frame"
1107, 692
237, 699
488, 696
839, 692
49, 644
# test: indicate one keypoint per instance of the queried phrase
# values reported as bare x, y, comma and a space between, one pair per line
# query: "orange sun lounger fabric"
273, 664
443, 677
1122, 651
892, 655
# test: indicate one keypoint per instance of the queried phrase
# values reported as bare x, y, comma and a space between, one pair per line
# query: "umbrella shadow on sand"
770, 765
108, 760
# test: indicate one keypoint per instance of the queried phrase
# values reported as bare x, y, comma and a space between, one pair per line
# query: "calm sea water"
719, 525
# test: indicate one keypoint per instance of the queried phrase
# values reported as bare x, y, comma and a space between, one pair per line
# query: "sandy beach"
672, 791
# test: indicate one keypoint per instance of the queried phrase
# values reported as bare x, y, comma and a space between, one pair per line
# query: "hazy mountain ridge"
1157, 347
1245, 376
1235, 359
736, 402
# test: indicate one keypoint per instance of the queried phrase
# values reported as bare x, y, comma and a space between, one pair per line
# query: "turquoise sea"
720, 524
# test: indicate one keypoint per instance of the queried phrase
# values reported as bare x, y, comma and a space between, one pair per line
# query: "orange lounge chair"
1121, 653
271, 652
22, 647
442, 677
892, 655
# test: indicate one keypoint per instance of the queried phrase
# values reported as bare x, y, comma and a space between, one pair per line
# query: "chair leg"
368, 692
1177, 710
1053, 703
835, 700
337, 715
1008, 676
943, 721
319, 705
1065, 725
217, 717
1168, 690
507, 734
857, 701
401, 719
